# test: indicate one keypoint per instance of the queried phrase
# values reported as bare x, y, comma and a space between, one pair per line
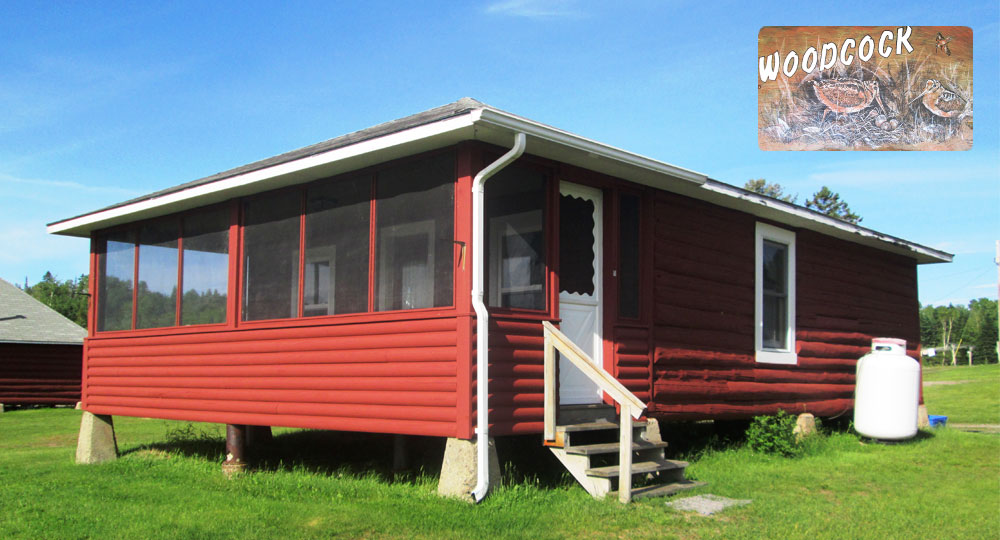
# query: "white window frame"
767, 355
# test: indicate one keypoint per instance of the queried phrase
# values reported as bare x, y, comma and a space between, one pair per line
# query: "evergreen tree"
773, 190
828, 202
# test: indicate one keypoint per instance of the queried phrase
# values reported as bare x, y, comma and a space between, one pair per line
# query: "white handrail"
631, 406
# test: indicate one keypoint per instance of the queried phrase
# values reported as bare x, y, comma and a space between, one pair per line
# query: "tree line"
960, 335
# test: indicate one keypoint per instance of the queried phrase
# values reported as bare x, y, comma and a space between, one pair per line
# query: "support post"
235, 449
625, 455
805, 425
459, 471
400, 458
97, 442
550, 389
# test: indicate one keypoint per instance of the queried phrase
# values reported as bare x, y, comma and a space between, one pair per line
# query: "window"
116, 270
188, 253
577, 252
774, 311
307, 252
628, 256
271, 256
156, 293
205, 273
415, 234
336, 261
515, 216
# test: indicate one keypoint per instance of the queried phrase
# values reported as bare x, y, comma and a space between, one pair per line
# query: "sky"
101, 103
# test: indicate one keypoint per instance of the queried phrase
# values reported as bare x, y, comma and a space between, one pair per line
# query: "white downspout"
482, 317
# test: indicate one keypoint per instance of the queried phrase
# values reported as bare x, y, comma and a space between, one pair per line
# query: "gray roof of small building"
26, 320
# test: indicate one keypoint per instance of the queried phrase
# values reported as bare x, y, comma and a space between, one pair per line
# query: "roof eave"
368, 152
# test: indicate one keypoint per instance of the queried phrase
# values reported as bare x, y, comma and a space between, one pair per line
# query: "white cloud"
535, 8
25, 245
67, 185
985, 286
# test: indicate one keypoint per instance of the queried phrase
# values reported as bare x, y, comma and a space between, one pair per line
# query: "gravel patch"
707, 504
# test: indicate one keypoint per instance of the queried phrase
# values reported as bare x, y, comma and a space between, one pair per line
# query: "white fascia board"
782, 212
296, 171
494, 118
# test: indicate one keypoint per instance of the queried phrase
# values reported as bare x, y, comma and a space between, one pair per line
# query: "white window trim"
767, 355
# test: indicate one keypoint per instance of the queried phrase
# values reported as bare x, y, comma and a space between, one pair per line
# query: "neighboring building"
330, 287
41, 352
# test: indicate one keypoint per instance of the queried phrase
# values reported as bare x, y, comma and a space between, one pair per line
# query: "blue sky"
100, 104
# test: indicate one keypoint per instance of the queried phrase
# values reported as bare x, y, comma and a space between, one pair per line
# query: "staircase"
588, 445
587, 439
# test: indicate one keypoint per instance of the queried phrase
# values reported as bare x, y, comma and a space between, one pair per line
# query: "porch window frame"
549, 230
236, 272
774, 355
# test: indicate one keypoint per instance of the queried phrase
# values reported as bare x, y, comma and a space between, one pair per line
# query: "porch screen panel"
206, 267
271, 256
156, 298
336, 268
415, 234
628, 256
576, 249
515, 257
115, 275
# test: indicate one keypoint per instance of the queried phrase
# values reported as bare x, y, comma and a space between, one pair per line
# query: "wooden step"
661, 490
612, 447
596, 426
640, 467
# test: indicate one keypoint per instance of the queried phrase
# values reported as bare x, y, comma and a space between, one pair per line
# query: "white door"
580, 241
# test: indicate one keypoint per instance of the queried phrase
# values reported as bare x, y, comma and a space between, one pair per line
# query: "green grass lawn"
168, 484
974, 398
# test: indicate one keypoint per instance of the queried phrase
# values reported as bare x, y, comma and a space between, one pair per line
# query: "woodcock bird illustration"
941, 44
940, 101
846, 96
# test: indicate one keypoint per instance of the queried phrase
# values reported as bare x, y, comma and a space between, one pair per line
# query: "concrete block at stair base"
923, 421
652, 431
97, 442
459, 472
805, 426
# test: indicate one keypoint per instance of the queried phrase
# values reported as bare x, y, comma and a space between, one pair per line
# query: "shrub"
773, 435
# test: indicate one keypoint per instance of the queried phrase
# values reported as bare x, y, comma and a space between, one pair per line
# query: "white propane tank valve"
887, 392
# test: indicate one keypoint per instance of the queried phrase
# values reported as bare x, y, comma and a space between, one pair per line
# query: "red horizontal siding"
703, 294
40, 374
389, 377
632, 360
516, 375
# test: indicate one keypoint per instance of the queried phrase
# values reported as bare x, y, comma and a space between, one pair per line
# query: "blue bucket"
937, 420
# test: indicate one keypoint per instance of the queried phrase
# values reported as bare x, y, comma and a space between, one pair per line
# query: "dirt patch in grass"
944, 383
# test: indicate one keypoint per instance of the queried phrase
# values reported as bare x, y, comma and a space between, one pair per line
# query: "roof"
26, 320
469, 119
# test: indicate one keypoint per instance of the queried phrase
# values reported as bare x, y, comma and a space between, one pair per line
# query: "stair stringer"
577, 465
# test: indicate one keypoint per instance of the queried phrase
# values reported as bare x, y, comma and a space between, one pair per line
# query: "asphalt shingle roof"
26, 320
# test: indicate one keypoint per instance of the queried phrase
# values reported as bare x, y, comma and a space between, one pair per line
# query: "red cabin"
332, 287
40, 352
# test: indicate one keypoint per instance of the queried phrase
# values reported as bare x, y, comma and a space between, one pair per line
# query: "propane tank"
887, 392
